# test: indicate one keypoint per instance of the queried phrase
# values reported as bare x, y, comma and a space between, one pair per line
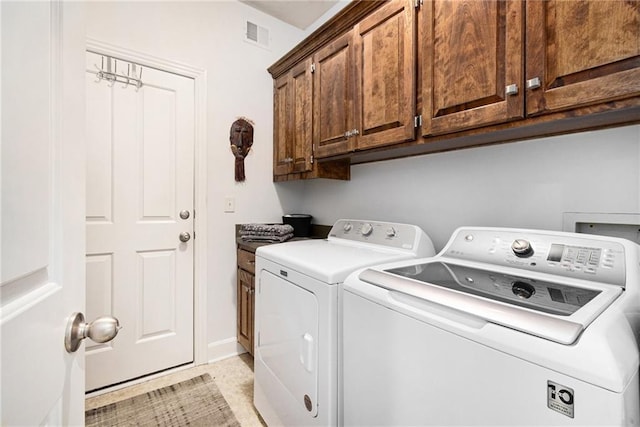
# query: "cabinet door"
302, 117
582, 52
282, 157
385, 58
472, 50
332, 97
245, 310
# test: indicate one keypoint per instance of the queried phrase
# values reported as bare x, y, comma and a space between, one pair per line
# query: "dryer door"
288, 340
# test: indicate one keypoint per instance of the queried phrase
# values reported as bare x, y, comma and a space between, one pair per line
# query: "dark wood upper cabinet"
301, 120
293, 120
466, 72
581, 53
281, 128
472, 64
333, 97
385, 60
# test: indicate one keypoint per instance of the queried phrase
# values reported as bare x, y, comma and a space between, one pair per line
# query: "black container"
301, 224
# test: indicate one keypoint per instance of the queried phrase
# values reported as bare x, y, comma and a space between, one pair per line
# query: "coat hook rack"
110, 73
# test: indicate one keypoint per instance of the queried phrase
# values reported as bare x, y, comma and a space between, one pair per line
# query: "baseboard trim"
223, 349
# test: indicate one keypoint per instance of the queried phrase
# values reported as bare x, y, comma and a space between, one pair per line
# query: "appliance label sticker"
560, 398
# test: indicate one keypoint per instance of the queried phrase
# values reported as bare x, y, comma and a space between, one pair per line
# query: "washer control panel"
562, 254
403, 236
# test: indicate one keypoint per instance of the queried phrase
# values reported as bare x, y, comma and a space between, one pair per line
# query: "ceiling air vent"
257, 35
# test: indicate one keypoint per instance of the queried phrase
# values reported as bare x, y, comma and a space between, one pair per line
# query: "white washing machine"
503, 327
296, 314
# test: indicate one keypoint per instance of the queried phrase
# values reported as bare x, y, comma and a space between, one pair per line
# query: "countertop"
317, 232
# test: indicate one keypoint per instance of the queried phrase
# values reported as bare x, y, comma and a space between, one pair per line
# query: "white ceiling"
299, 13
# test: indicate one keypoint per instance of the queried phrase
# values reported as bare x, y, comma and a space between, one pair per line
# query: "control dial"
366, 229
391, 232
523, 289
522, 248
347, 227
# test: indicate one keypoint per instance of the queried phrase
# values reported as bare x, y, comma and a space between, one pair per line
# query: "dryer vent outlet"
256, 34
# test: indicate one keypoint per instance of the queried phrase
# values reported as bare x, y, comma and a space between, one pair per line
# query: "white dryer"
504, 327
297, 318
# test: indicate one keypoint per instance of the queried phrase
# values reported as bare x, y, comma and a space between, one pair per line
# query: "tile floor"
233, 376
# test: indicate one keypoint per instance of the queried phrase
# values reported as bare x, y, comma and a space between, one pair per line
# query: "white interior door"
140, 177
42, 226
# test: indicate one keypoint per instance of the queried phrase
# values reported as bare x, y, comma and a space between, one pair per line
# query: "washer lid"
328, 261
484, 294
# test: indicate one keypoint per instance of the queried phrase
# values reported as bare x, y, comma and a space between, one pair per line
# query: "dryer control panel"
563, 254
384, 234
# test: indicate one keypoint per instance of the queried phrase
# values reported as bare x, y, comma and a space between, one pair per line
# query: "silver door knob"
101, 330
184, 214
185, 237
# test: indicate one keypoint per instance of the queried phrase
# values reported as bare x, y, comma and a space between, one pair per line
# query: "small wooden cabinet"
581, 53
364, 83
293, 107
293, 111
482, 66
471, 61
245, 298
333, 97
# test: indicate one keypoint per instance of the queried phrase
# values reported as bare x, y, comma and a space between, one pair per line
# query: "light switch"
229, 204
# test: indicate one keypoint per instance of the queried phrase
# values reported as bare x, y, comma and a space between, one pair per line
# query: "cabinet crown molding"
342, 22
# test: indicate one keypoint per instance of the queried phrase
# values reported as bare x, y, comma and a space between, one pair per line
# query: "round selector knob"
347, 227
522, 248
391, 232
366, 229
523, 289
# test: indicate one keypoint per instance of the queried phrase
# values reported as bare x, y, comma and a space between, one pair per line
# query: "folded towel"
266, 229
268, 238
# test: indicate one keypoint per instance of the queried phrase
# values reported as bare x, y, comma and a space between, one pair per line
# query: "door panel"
582, 52
140, 176
42, 221
386, 59
302, 116
472, 51
282, 128
289, 338
333, 105
293, 110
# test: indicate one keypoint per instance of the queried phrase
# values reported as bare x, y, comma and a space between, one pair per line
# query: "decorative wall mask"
241, 138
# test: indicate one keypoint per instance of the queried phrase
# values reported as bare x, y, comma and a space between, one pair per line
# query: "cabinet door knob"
511, 90
534, 83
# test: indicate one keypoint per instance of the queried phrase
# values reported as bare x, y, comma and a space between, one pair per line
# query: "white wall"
525, 184
209, 35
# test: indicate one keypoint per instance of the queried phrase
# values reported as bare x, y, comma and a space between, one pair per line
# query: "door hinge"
311, 159
258, 339
417, 121
313, 68
418, 3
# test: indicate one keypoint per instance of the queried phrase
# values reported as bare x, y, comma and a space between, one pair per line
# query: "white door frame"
200, 185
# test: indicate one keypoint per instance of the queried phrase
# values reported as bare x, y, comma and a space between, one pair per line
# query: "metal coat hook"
130, 78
